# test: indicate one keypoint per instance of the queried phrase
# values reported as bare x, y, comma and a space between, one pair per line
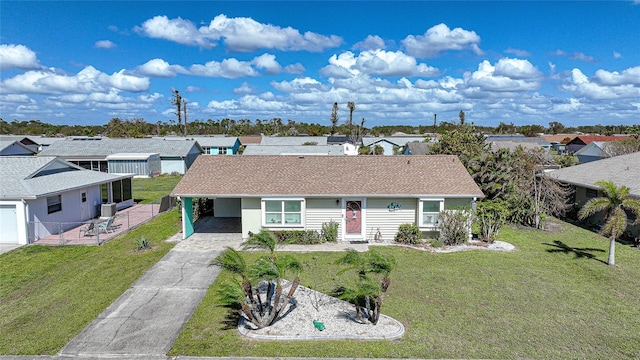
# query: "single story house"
211, 145
42, 195
392, 145
139, 164
293, 150
91, 152
623, 170
365, 195
581, 141
595, 150
417, 148
15, 147
293, 140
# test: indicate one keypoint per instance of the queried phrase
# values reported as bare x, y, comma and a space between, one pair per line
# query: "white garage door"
8, 224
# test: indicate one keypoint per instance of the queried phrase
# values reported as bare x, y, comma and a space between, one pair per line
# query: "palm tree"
351, 106
368, 296
614, 203
261, 309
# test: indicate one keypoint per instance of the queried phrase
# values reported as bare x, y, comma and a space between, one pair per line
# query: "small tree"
614, 203
491, 215
351, 106
373, 271
334, 118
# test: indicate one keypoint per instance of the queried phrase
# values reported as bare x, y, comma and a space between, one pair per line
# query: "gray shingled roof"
19, 180
396, 140
623, 170
293, 140
210, 141
419, 148
5, 144
309, 176
293, 150
70, 148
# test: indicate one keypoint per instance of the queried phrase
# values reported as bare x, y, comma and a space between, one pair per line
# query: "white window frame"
282, 224
222, 150
421, 223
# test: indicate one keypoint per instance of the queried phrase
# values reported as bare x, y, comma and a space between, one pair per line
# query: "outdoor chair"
106, 226
87, 228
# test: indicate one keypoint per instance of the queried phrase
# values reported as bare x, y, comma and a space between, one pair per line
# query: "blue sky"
85, 62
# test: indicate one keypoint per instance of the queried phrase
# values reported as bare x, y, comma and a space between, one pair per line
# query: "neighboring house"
42, 195
417, 148
593, 151
365, 195
211, 145
15, 147
293, 150
293, 140
138, 164
392, 145
348, 147
511, 142
581, 141
91, 153
250, 139
24, 140
623, 170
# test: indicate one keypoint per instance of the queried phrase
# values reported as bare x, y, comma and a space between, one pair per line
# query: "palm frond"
231, 260
594, 206
633, 205
616, 224
264, 240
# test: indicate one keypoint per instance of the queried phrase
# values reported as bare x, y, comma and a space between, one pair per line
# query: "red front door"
353, 225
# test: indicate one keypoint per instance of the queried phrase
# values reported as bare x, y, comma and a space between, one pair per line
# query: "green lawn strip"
150, 190
552, 298
48, 294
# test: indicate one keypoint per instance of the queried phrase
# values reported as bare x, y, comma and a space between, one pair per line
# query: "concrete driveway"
147, 318
8, 247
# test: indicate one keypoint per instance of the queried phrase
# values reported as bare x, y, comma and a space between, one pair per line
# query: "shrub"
329, 232
491, 215
454, 226
300, 237
142, 244
408, 234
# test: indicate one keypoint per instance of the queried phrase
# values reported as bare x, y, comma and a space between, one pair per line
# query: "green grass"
48, 294
150, 190
554, 297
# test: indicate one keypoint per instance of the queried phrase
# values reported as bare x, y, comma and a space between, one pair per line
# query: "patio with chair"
100, 230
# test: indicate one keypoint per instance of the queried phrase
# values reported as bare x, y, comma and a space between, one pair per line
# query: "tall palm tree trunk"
612, 251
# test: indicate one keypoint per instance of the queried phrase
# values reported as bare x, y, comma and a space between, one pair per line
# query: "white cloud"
104, 44
604, 85
177, 30
18, 57
518, 52
228, 68
245, 88
574, 56
440, 38
160, 68
617, 55
629, 76
380, 62
296, 68
372, 42
238, 34
268, 63
305, 84
88, 80
508, 75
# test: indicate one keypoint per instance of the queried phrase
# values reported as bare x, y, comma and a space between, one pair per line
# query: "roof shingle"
240, 176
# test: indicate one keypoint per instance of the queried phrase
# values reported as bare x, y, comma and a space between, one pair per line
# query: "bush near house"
408, 234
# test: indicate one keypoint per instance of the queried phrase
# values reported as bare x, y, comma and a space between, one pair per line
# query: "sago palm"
614, 203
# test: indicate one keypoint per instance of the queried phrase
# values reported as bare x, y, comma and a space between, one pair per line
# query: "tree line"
137, 127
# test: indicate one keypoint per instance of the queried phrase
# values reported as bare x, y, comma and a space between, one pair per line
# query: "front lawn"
554, 297
48, 294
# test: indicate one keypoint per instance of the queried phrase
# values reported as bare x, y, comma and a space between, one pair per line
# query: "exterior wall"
21, 220
191, 157
170, 165
379, 217
15, 150
227, 208
73, 212
251, 216
320, 211
146, 168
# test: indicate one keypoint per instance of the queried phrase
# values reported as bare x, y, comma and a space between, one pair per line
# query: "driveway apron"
147, 318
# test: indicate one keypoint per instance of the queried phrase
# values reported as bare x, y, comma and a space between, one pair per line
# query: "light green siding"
251, 216
321, 211
380, 217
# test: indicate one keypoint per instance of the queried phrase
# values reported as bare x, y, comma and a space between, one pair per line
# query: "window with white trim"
54, 204
282, 212
222, 151
429, 209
